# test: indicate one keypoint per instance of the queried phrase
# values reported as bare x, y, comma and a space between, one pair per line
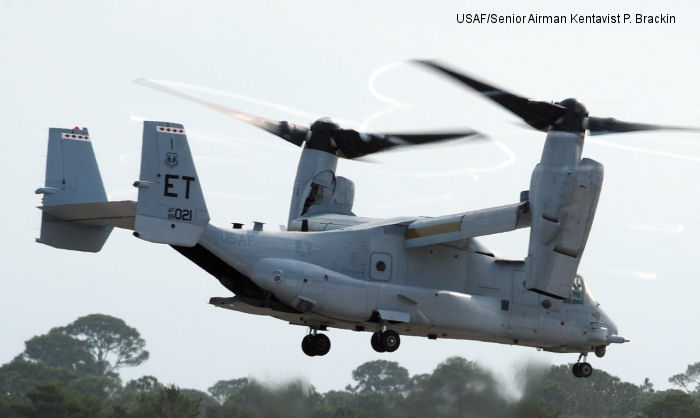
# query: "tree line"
73, 371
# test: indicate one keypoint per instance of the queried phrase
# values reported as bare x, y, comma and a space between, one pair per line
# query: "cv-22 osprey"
418, 276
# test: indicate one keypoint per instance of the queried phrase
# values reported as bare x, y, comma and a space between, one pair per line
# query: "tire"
600, 351
586, 370
320, 344
306, 346
577, 369
376, 344
390, 340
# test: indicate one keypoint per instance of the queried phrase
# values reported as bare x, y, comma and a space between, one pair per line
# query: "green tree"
380, 376
457, 387
690, 380
370, 404
672, 404
8, 406
129, 396
534, 408
143, 384
252, 400
337, 403
111, 341
223, 389
416, 382
58, 349
647, 387
205, 401
18, 376
53, 399
344, 412
601, 395
166, 402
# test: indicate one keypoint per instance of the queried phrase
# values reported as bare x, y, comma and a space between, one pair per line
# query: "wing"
429, 231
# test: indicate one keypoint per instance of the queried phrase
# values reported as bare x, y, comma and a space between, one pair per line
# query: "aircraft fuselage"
357, 278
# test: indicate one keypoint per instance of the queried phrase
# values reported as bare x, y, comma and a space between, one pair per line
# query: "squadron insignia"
171, 159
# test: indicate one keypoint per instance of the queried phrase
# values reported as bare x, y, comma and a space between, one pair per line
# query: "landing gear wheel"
600, 351
390, 340
582, 369
586, 369
306, 346
577, 369
376, 344
320, 344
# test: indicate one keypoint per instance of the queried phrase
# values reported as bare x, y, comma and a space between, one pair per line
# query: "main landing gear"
315, 344
582, 369
386, 340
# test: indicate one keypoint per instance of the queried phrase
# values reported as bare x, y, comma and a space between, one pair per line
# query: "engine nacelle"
327, 193
563, 203
317, 189
344, 194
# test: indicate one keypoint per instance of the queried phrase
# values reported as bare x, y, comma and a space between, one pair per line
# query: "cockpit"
579, 293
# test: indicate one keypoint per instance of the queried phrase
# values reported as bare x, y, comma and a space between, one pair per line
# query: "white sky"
72, 63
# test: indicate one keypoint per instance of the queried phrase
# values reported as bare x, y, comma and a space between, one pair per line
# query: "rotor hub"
324, 124
573, 119
320, 135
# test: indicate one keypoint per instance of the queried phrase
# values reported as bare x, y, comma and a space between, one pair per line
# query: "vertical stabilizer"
72, 176
170, 207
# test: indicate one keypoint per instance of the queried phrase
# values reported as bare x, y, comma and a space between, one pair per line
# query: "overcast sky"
72, 63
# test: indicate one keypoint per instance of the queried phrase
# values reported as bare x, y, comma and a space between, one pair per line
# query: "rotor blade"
418, 138
352, 144
283, 129
604, 126
537, 114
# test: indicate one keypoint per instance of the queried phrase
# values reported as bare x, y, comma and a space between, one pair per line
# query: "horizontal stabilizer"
120, 214
58, 234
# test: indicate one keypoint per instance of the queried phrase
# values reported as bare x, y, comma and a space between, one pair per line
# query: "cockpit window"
578, 290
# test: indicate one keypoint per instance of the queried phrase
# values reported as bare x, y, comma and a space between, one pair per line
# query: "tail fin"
170, 207
72, 176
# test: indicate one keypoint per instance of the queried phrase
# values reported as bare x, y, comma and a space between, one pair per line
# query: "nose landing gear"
582, 369
315, 344
600, 351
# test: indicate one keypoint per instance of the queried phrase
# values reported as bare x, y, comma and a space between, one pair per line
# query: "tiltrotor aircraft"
418, 276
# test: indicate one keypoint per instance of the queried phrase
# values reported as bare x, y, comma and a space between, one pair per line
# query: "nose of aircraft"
612, 335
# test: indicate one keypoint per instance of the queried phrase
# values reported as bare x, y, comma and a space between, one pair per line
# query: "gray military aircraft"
419, 276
